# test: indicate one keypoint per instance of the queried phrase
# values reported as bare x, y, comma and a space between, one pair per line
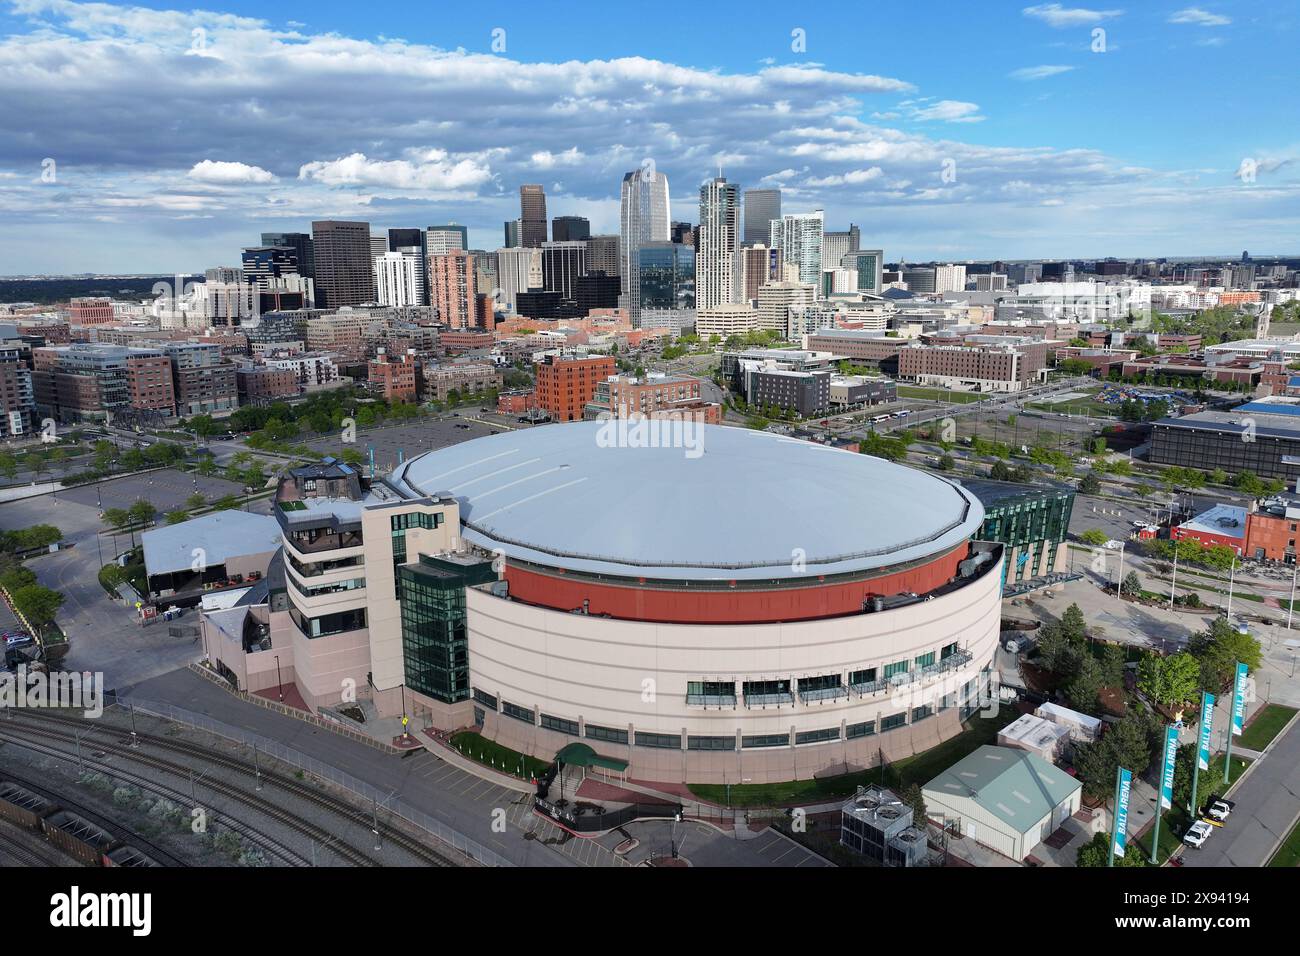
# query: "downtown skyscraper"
717, 259
761, 207
643, 218
799, 237
532, 216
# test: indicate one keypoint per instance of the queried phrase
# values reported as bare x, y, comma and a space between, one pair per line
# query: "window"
487, 700
892, 721
947, 651
866, 676
864, 729
710, 743
606, 733
817, 736
925, 660
898, 667
922, 712
758, 741
560, 725
517, 712
327, 624
662, 741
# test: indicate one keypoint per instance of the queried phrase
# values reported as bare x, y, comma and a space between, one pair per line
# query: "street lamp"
279, 683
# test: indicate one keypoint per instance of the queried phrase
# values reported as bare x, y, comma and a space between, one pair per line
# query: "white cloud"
229, 174
1055, 15
948, 111
852, 178
1201, 18
435, 173
545, 159
1038, 72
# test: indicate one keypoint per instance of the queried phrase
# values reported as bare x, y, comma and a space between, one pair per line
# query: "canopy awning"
580, 755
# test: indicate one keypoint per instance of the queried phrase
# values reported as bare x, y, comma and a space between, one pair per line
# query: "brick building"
565, 385
395, 377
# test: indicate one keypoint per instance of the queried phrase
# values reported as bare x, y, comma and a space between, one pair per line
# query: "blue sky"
1173, 133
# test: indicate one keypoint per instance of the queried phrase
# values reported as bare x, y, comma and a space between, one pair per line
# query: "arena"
752, 609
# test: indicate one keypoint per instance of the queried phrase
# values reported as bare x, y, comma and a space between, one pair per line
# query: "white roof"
732, 504
1058, 714
220, 535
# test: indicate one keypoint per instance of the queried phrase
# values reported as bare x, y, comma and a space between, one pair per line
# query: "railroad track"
265, 807
16, 850
156, 853
323, 801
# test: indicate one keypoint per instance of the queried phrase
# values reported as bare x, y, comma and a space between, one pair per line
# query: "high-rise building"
755, 269
300, 243
761, 207
837, 245
717, 259
919, 278
400, 238
345, 271
602, 255
439, 240
869, 265
562, 263
949, 278
515, 270
644, 207
532, 215
667, 276
595, 290
277, 284
511, 227
775, 302
683, 232
399, 277
570, 229
453, 284
799, 237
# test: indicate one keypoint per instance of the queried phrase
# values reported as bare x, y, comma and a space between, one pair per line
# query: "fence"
322, 771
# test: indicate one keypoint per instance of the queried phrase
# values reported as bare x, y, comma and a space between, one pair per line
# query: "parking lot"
408, 439
166, 490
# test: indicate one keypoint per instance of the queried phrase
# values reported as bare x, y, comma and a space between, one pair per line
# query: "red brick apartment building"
396, 377
91, 310
566, 385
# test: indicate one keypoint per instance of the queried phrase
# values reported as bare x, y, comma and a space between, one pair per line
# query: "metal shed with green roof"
1006, 799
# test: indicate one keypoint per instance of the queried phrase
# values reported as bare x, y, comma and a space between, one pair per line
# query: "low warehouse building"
1008, 800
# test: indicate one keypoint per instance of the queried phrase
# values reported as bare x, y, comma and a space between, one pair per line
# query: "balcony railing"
822, 693
711, 700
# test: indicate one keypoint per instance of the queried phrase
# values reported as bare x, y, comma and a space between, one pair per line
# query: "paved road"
1268, 803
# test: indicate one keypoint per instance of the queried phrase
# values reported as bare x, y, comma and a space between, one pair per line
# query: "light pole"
1119, 579
1290, 606
1232, 575
1173, 579
279, 683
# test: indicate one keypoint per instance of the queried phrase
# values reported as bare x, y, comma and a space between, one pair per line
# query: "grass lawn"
940, 394
1174, 823
492, 754
919, 769
1266, 725
1288, 854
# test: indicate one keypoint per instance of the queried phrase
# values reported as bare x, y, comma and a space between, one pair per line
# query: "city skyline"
225, 125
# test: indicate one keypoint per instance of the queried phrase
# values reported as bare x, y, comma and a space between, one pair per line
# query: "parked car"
1218, 810
1197, 834
18, 639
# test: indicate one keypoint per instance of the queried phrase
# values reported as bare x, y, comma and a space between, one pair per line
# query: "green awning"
580, 755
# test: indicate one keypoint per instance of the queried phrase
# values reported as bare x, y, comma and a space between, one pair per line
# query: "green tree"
1085, 686
947, 463
1094, 536
1169, 680
177, 516
37, 603
1126, 744
196, 500
142, 512
1094, 853
1090, 484
1073, 624
206, 467
1112, 665
117, 518
913, 797
226, 503
1132, 584
8, 464
1218, 649
204, 426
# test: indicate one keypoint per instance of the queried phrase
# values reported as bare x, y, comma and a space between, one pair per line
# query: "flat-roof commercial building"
862, 346
397, 378
1262, 436
984, 366
495, 583
565, 385
1007, 799
1222, 525
849, 391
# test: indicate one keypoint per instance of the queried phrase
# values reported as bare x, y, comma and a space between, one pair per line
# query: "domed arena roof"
718, 503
